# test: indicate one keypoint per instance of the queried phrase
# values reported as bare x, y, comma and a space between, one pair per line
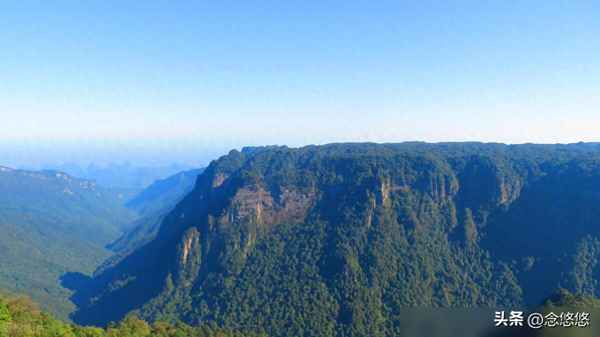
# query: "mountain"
339, 240
152, 204
51, 224
126, 176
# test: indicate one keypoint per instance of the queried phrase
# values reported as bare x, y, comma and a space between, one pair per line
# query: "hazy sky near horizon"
215, 75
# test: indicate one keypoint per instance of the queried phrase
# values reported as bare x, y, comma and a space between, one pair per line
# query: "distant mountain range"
337, 240
52, 223
122, 175
164, 193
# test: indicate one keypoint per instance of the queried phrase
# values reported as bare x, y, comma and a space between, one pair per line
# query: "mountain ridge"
366, 230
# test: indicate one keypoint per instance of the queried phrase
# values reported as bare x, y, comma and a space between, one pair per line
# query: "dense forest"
20, 317
50, 224
342, 239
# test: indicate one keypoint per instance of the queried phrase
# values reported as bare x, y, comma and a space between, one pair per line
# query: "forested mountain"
337, 240
50, 224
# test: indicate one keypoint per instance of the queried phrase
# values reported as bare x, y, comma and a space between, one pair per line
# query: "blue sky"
203, 75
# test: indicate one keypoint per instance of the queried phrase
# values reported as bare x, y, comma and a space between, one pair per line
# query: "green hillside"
52, 224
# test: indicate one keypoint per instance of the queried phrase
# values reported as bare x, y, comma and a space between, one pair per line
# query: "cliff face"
336, 240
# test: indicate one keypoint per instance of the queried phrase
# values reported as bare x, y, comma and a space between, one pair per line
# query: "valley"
53, 224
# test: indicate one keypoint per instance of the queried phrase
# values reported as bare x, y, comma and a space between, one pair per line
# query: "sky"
186, 80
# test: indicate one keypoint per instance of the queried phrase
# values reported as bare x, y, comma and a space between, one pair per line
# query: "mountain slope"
338, 239
51, 224
151, 205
